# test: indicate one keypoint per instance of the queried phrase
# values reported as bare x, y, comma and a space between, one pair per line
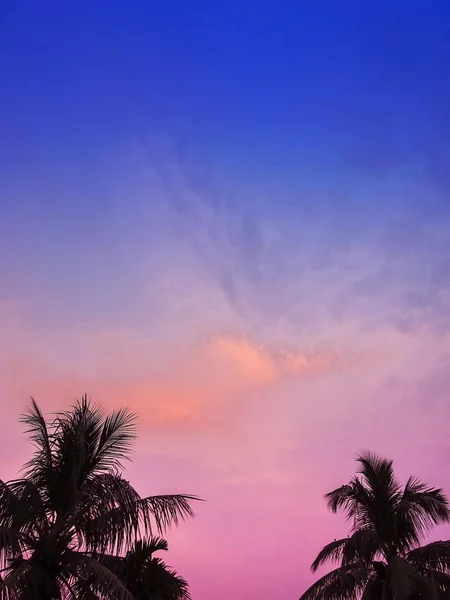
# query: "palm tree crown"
381, 559
72, 506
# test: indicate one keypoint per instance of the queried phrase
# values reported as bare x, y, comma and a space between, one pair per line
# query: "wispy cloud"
274, 263
265, 364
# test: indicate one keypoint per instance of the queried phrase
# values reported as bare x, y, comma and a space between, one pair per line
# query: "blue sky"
285, 82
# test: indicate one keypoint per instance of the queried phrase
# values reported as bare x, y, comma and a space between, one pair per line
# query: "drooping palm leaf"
331, 552
166, 510
435, 555
356, 502
345, 583
419, 509
362, 545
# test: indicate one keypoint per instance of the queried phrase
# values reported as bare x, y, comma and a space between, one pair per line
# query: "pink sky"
260, 429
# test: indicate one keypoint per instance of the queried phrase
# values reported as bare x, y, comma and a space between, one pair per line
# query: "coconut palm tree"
145, 576
381, 559
72, 505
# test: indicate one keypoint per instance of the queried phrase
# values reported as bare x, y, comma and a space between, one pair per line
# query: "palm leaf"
440, 580
378, 475
435, 555
345, 583
331, 552
419, 509
362, 545
357, 503
384, 490
14, 584
39, 435
101, 579
114, 444
11, 540
166, 510
108, 515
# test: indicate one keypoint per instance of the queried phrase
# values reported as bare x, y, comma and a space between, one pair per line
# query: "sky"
233, 218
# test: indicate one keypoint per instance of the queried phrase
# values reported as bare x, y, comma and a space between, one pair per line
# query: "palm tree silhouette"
382, 559
72, 506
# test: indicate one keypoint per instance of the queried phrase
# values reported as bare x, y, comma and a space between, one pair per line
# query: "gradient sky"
234, 218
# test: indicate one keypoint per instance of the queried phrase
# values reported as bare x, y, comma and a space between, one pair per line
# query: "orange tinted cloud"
295, 363
173, 388
262, 364
250, 359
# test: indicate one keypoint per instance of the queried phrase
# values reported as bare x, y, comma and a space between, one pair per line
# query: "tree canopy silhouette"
72, 507
381, 559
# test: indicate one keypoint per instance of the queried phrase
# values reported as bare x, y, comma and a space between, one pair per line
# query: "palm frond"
357, 503
378, 475
157, 579
116, 437
331, 552
145, 548
21, 508
68, 589
435, 555
101, 579
166, 510
40, 436
108, 514
83, 590
111, 514
33, 512
362, 545
15, 583
11, 541
342, 498
345, 583
156, 544
11, 507
418, 510
440, 580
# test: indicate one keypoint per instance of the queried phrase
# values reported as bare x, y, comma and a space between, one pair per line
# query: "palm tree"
382, 559
147, 577
72, 506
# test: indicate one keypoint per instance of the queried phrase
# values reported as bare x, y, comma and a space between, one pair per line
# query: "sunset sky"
234, 218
